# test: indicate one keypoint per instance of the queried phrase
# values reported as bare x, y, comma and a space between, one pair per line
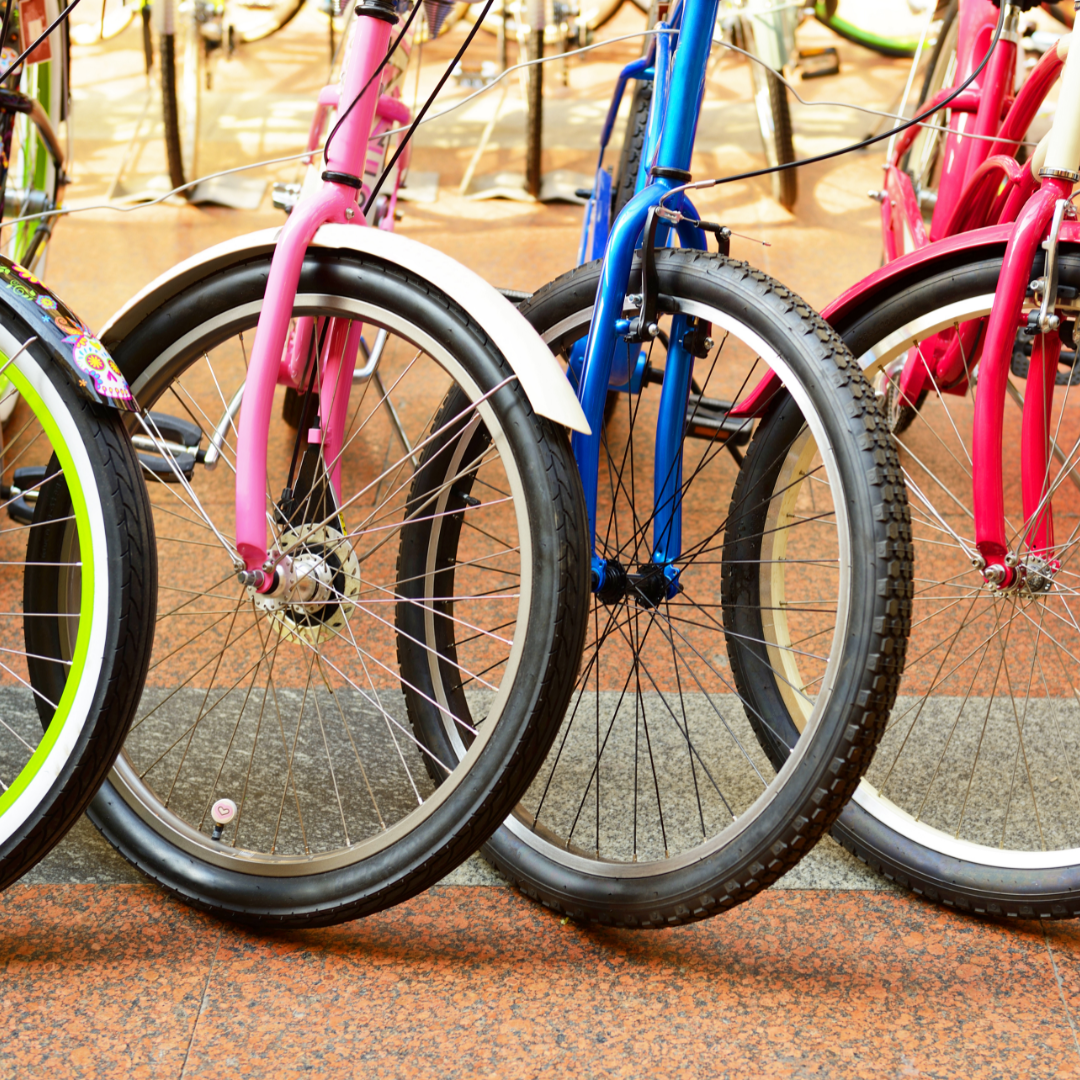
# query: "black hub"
648, 587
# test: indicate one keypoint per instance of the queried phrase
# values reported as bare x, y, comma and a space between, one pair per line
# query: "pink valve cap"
223, 811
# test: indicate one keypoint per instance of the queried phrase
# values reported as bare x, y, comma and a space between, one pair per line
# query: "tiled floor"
471, 982
834, 976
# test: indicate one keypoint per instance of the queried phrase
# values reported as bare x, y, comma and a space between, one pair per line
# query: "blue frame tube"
676, 106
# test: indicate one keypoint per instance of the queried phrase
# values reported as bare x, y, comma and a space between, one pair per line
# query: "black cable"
377, 72
918, 119
427, 105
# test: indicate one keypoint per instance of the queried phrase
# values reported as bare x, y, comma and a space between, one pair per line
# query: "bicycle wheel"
971, 799
298, 714
622, 187
924, 160
655, 805
79, 585
774, 121
182, 51
825, 13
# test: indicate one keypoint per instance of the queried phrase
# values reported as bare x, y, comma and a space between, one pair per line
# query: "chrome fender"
541, 377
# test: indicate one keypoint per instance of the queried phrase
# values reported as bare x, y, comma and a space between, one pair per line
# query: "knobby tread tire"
842, 756
418, 861
132, 569
964, 886
622, 188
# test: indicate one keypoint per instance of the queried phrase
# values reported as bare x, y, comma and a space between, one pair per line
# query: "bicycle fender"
69, 342
543, 380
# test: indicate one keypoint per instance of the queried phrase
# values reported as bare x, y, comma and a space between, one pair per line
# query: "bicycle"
273, 775
970, 798
657, 805
77, 560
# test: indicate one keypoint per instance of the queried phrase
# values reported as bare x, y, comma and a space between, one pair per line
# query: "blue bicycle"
749, 560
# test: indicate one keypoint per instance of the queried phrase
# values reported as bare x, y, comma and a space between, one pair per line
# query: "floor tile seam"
1061, 990
202, 1001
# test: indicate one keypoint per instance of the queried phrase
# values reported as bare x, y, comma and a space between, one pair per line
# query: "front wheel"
78, 579
973, 797
302, 713
656, 805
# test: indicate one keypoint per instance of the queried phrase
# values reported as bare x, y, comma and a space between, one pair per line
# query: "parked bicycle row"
339, 564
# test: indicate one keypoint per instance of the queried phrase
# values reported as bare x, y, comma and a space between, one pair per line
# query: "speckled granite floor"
467, 982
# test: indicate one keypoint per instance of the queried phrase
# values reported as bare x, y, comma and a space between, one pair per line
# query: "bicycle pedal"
285, 196
162, 469
707, 418
1020, 364
180, 438
175, 429
23, 493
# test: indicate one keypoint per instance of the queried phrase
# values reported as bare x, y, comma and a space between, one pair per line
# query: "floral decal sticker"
94, 370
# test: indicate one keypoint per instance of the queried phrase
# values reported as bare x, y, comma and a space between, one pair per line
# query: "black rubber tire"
943, 879
555, 682
130, 564
284, 14
482, 798
171, 110
933, 68
622, 187
804, 808
785, 184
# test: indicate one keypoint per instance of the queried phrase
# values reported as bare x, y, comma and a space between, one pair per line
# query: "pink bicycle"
273, 774
972, 797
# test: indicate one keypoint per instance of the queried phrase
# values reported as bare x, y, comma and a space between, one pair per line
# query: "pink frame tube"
1027, 234
333, 203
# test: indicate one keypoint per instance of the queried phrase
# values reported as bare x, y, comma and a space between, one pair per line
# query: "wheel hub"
649, 587
316, 579
1030, 576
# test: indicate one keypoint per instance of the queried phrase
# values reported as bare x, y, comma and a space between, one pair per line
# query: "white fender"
543, 381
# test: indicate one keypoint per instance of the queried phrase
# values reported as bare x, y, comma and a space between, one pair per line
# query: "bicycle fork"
1003, 568
335, 202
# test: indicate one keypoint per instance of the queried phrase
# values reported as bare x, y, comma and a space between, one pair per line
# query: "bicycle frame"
316, 220
678, 62
982, 184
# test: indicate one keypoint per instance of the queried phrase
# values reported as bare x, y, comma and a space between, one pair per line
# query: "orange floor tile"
120, 981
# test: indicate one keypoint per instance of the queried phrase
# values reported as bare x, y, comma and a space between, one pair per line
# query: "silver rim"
343, 775
656, 766
980, 755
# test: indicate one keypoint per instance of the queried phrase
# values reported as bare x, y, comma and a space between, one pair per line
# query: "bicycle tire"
358, 831
925, 150
773, 113
34, 177
255, 22
935, 814
627, 867
900, 48
84, 637
182, 61
637, 124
